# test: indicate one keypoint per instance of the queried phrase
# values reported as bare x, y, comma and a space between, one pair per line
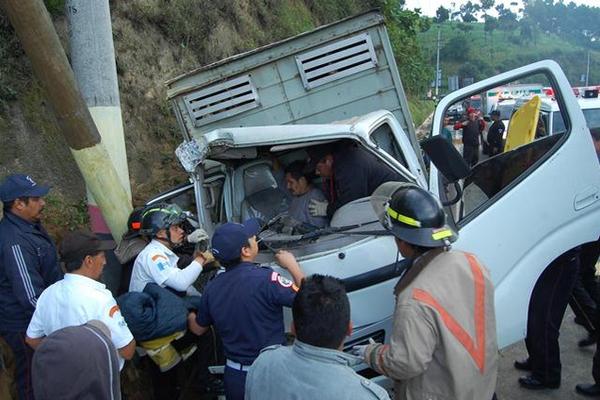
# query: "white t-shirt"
154, 264
73, 301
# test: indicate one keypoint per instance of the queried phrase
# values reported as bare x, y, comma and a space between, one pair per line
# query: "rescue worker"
350, 173
80, 296
314, 367
132, 243
157, 263
443, 343
28, 265
245, 303
495, 134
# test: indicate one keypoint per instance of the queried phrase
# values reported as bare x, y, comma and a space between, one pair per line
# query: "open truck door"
523, 208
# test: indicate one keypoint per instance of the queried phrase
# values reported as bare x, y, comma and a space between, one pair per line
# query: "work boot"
533, 383
588, 389
523, 365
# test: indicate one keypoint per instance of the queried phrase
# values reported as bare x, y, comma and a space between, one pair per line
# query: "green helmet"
160, 216
412, 214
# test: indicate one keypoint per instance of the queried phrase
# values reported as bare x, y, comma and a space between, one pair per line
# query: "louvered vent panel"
221, 100
336, 60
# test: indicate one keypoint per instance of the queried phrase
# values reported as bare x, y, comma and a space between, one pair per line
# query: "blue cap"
19, 185
229, 238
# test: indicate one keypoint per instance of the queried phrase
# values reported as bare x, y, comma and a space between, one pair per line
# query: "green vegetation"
478, 54
545, 29
420, 110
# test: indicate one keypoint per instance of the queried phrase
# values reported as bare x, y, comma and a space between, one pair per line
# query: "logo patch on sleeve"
285, 282
113, 310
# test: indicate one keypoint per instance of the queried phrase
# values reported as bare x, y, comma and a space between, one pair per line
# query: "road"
576, 367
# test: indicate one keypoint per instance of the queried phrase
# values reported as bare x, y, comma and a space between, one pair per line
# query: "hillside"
154, 41
491, 53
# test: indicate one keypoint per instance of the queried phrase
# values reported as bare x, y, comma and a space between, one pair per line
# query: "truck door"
523, 208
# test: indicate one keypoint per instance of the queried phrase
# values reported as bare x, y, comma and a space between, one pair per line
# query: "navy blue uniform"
28, 265
244, 304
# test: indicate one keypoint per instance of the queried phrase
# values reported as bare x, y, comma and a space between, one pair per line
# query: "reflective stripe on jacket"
443, 343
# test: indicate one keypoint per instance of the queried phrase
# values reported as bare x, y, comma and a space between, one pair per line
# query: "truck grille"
221, 100
377, 336
336, 60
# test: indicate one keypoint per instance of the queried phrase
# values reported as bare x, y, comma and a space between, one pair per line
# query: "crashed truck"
245, 115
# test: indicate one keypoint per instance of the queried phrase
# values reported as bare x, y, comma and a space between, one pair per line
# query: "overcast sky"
428, 7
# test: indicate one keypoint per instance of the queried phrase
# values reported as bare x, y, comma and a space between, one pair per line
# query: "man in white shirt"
79, 297
157, 263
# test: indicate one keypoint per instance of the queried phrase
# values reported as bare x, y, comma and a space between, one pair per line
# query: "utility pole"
38, 37
437, 64
587, 71
94, 66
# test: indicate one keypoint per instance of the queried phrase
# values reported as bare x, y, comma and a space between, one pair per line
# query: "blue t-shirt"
244, 304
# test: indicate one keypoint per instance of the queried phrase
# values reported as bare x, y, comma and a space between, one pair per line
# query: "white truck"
517, 211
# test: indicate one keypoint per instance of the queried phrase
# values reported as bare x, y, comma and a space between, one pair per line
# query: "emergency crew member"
245, 302
157, 263
495, 134
472, 129
28, 265
443, 343
79, 297
350, 173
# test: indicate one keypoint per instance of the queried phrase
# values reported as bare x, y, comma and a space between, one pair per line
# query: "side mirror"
448, 161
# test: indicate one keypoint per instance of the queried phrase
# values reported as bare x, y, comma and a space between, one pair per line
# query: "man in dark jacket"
28, 265
350, 173
472, 129
495, 133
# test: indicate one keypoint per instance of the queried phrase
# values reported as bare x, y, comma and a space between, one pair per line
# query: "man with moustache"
28, 265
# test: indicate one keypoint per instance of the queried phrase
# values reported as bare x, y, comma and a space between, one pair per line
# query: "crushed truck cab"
243, 117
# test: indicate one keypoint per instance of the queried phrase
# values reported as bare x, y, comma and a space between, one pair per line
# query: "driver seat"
263, 198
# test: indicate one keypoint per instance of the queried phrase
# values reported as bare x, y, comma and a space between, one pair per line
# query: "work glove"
318, 208
359, 351
197, 236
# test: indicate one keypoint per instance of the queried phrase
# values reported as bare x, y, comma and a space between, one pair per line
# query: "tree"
441, 15
468, 12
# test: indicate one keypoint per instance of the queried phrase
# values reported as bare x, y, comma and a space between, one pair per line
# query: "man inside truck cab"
298, 182
349, 173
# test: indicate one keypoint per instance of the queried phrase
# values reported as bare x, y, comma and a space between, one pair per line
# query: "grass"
420, 110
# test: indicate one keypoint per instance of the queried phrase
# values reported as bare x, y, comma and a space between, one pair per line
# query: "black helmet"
134, 223
412, 214
160, 216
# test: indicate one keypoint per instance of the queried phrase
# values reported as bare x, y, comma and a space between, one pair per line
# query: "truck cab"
244, 117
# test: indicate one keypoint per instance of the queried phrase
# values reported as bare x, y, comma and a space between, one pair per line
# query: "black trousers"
471, 154
546, 310
585, 292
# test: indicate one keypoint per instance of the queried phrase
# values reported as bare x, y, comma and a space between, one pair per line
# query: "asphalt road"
576, 367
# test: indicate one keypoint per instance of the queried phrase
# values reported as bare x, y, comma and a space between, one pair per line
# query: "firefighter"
443, 342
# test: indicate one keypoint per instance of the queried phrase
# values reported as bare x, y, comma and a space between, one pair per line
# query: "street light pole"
437, 64
587, 71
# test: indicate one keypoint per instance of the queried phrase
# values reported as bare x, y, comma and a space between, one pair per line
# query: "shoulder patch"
285, 282
157, 259
157, 256
113, 310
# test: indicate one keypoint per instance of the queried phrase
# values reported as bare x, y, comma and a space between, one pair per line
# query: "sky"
428, 7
